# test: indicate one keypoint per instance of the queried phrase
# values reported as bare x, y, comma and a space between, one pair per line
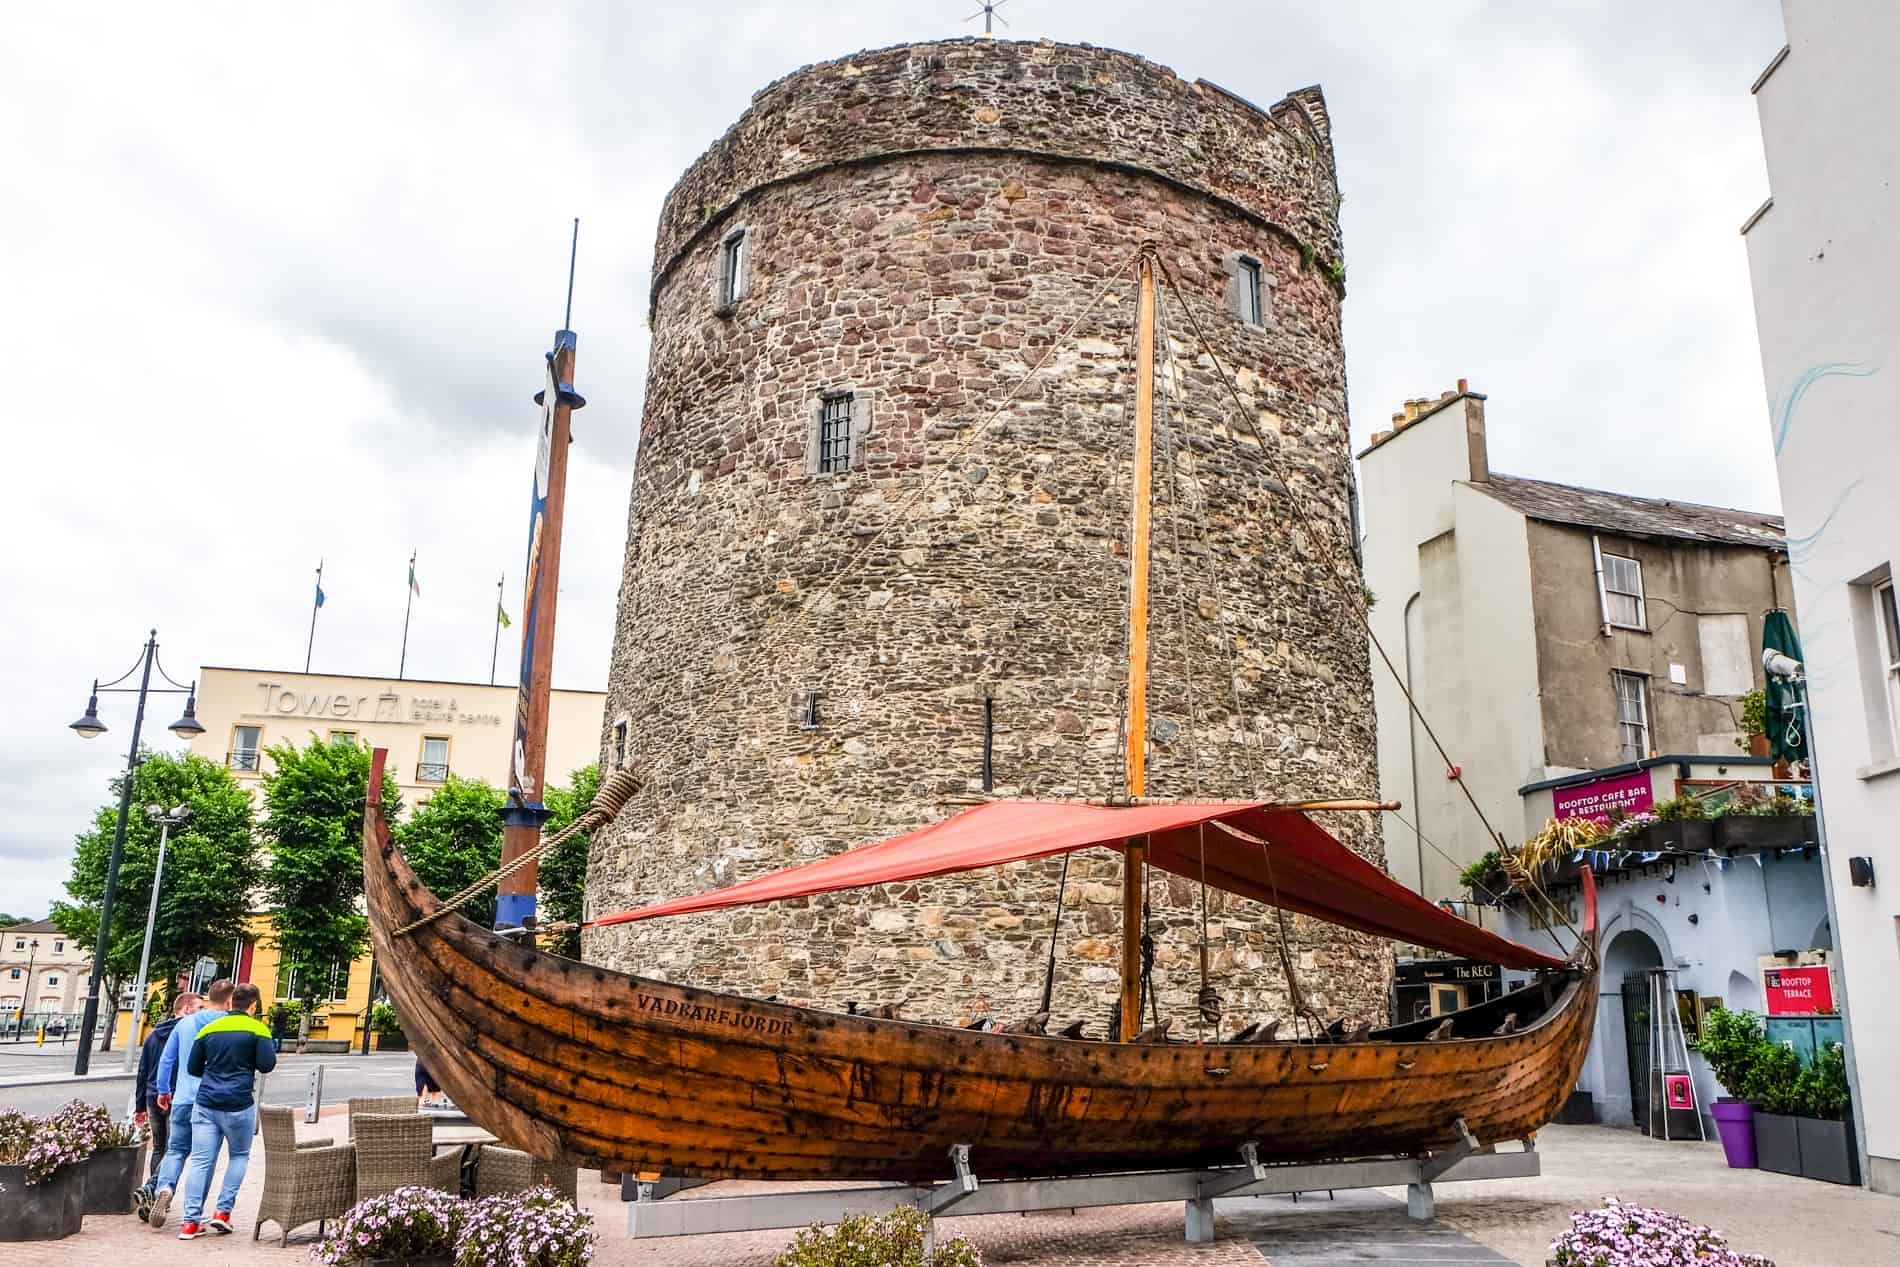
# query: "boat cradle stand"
965, 1194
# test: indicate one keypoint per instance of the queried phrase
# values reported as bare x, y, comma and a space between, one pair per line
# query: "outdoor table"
469, 1138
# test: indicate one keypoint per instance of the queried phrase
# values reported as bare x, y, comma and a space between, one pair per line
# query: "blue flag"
319, 593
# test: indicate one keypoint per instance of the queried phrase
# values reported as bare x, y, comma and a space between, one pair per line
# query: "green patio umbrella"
1787, 727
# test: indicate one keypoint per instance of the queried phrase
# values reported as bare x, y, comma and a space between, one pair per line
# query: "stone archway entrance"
1623, 1026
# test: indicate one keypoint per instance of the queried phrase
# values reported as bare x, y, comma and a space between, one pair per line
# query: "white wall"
1471, 644
1742, 910
1825, 261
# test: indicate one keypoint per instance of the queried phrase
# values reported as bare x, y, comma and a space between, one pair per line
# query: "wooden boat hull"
600, 1068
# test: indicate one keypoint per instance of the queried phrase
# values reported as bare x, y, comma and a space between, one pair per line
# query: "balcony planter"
111, 1176
1764, 831
1692, 835
1777, 1143
1827, 1150
50, 1210
1735, 1123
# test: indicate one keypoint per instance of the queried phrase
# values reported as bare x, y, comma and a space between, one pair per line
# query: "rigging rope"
612, 797
1325, 541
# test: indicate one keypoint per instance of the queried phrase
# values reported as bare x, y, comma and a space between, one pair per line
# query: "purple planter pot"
1735, 1123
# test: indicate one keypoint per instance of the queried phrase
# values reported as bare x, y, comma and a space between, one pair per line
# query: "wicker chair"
380, 1104
499, 1170
312, 1180
396, 1150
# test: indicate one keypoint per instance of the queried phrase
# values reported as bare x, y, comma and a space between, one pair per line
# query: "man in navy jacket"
226, 1057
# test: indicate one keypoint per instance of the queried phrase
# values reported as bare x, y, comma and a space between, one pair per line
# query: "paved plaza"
1796, 1222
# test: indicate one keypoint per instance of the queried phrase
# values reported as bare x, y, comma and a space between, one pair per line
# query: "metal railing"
24, 1027
432, 772
244, 759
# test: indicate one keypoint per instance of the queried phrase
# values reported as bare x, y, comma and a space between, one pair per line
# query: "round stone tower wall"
914, 231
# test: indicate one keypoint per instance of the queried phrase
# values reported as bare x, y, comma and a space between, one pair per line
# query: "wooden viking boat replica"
574, 1062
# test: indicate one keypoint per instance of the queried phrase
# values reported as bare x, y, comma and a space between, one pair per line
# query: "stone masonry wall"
958, 561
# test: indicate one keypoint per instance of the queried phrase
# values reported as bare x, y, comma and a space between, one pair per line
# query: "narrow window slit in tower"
989, 743
807, 709
1250, 307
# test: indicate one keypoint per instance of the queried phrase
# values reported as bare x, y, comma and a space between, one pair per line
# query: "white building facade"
1824, 254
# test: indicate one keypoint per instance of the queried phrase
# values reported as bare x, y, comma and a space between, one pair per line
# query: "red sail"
1280, 857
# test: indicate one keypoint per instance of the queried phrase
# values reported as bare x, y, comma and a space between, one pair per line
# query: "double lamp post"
90, 727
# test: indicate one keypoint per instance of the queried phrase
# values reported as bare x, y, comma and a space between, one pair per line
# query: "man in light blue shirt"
177, 1089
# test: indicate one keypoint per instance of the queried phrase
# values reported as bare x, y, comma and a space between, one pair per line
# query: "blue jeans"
177, 1145
210, 1127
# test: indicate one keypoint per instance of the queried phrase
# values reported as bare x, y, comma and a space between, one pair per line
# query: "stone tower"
857, 563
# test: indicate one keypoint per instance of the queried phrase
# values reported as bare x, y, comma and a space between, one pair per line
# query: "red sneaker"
220, 1223
190, 1231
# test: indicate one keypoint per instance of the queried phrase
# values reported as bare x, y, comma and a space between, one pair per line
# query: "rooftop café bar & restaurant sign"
1622, 793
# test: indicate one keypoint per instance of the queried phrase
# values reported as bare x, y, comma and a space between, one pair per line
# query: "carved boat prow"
571, 1061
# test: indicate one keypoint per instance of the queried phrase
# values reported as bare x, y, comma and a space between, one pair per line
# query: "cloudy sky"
275, 282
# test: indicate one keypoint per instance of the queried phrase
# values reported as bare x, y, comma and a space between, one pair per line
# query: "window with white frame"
1623, 592
732, 267
1888, 614
434, 766
1632, 713
245, 741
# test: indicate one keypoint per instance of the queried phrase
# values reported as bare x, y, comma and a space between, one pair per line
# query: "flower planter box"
46, 1211
1827, 1150
392, 1042
1690, 834
1764, 831
1735, 1123
1777, 1143
427, 1260
111, 1177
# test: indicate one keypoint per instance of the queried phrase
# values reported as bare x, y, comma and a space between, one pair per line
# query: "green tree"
313, 823
212, 868
563, 871
454, 839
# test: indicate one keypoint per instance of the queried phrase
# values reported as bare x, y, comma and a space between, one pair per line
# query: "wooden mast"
1134, 856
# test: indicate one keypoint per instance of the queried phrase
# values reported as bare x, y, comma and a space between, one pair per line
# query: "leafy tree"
8, 921
212, 868
454, 839
313, 807
563, 870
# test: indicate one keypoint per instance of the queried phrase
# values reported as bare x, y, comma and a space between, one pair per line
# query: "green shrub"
1682, 808
1486, 874
1754, 715
1822, 1088
1731, 1042
1773, 1084
895, 1239
384, 1020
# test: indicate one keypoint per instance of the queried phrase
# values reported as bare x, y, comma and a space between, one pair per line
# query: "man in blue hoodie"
227, 1055
177, 1091
145, 1092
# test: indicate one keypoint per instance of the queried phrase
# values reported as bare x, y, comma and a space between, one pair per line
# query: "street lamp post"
90, 727
176, 817
27, 997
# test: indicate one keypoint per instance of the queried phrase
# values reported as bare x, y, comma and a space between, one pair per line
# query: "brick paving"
1797, 1223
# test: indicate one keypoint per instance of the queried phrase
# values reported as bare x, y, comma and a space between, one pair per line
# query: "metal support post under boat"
1420, 1202
1134, 854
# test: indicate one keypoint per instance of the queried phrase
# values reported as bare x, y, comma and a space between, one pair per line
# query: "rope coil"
614, 793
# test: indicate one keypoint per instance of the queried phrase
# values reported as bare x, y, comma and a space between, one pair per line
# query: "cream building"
432, 729
42, 970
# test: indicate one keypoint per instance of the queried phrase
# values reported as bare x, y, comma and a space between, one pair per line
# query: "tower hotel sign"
388, 706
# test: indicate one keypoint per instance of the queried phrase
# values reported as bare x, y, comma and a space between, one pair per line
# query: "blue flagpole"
314, 604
